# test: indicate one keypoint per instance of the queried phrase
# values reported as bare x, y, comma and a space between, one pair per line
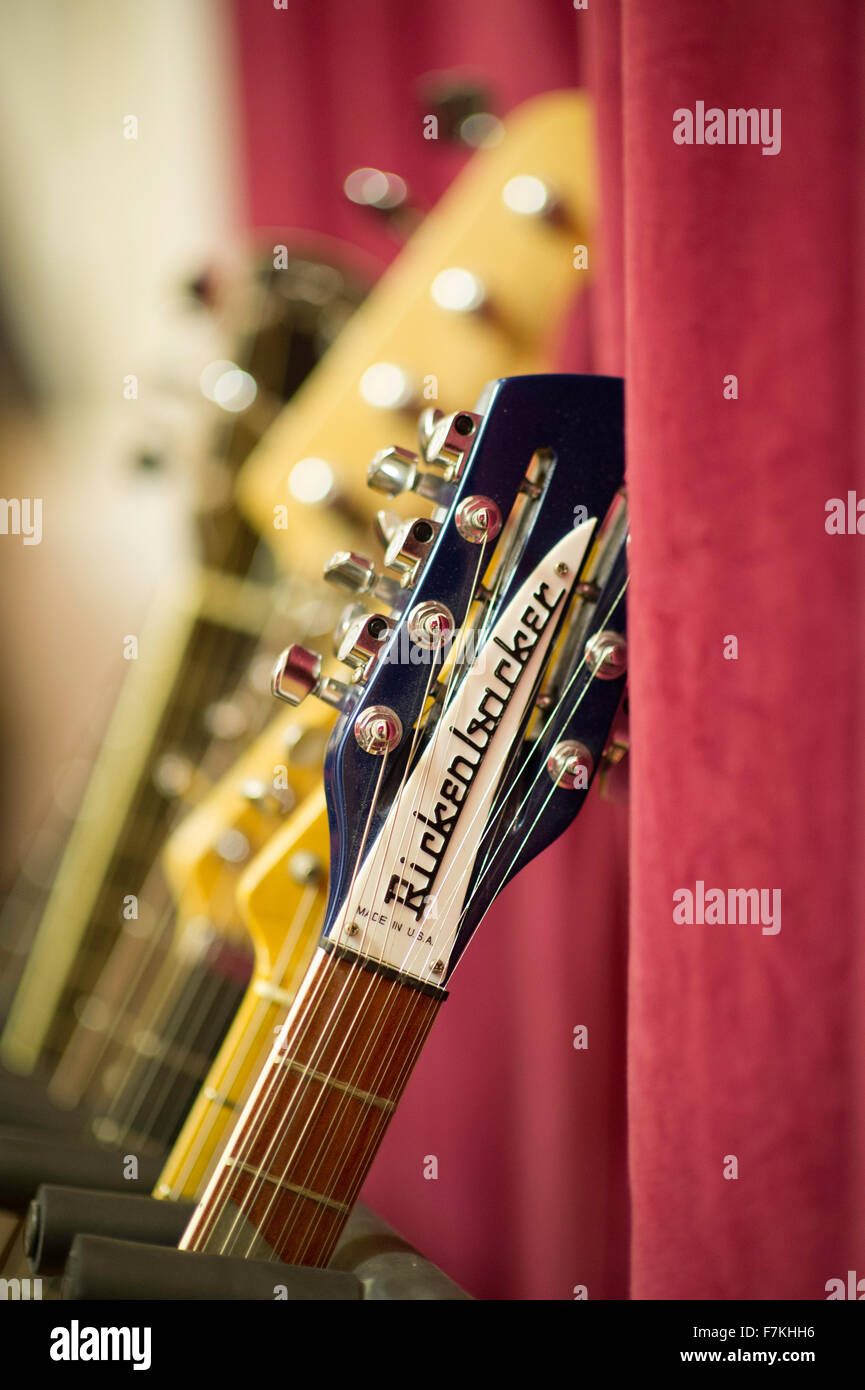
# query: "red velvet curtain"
725, 1160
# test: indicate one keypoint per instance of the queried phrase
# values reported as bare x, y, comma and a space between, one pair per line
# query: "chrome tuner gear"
431, 625
570, 765
478, 519
607, 655
378, 730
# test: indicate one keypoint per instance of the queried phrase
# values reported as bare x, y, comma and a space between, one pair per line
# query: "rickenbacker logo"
476, 737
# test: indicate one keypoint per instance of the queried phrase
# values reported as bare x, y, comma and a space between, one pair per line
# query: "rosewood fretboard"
306, 1139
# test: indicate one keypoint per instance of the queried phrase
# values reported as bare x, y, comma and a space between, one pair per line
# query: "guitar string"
214, 639
267, 1095
348, 986
263, 1099
164, 1068
275, 979
421, 792
608, 612
177, 1019
336, 1170
164, 1014
192, 710
277, 1137
226, 1180
154, 997
503, 792
367, 991
184, 1023
437, 947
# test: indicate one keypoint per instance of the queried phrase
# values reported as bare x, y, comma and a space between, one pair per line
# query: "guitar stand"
24, 1104
371, 1262
29, 1158
102, 1269
58, 1214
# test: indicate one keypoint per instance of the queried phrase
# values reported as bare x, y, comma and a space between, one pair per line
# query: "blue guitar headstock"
481, 703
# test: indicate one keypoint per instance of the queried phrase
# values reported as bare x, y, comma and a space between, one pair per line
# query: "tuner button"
529, 196
305, 868
386, 386
363, 641
266, 798
409, 548
313, 482
393, 471
450, 441
232, 846
426, 425
385, 526
296, 674
349, 571
356, 574
350, 614
375, 188
458, 290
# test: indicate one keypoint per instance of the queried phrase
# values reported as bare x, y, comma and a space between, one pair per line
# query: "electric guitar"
185, 707
468, 735
185, 986
524, 204
478, 292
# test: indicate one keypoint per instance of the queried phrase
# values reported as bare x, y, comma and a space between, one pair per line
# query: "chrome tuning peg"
267, 799
349, 615
396, 470
297, 673
426, 424
450, 440
363, 642
409, 547
384, 526
357, 574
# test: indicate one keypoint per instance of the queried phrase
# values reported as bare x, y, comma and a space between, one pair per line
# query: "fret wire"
148, 800
416, 1017
383, 1060
215, 1014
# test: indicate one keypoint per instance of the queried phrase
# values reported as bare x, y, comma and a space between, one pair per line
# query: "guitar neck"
165, 1051
125, 817
306, 1139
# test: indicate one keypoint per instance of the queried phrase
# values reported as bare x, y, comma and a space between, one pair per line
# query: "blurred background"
141, 144
245, 117
144, 151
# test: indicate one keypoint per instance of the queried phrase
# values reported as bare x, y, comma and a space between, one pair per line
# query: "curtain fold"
745, 1045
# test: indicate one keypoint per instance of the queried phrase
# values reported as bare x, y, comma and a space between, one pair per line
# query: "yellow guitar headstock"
210, 849
474, 295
